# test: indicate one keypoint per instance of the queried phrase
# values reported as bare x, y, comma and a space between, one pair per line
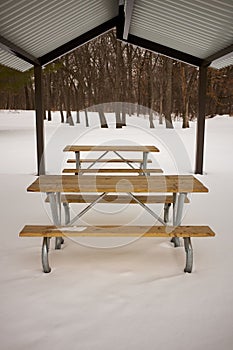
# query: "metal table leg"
67, 213
55, 205
145, 157
166, 212
77, 158
178, 204
189, 254
44, 255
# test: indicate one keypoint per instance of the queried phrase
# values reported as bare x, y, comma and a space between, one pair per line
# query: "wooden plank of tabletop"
120, 148
121, 184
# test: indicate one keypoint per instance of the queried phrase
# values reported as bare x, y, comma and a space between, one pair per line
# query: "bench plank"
116, 231
108, 160
113, 170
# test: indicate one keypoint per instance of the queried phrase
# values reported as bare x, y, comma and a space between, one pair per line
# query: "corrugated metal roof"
40, 26
13, 62
224, 61
197, 27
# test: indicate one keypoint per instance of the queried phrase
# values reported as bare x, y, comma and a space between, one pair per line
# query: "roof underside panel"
40, 26
198, 27
14, 62
224, 61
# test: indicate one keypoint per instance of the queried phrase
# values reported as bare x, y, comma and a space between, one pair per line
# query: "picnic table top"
120, 148
121, 184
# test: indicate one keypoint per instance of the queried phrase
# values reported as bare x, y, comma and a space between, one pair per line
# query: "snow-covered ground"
134, 296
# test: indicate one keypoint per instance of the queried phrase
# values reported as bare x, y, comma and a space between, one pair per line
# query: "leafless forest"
106, 70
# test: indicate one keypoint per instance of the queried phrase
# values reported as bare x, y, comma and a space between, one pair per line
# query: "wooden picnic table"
116, 149
179, 185
56, 186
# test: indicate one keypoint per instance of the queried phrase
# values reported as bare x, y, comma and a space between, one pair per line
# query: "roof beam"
164, 50
120, 20
80, 40
15, 50
219, 53
128, 16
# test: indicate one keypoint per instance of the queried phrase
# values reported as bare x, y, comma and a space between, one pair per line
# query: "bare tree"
188, 75
167, 101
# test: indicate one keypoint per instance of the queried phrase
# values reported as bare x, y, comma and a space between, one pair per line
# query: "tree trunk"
118, 115
62, 116
150, 87
69, 118
27, 100
186, 116
130, 51
49, 115
86, 118
103, 121
77, 117
161, 104
118, 82
151, 119
168, 93
123, 111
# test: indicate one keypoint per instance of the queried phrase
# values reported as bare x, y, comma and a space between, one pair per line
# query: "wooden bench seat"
47, 232
113, 170
108, 160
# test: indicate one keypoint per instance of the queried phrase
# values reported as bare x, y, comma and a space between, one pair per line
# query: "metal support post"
201, 119
39, 120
